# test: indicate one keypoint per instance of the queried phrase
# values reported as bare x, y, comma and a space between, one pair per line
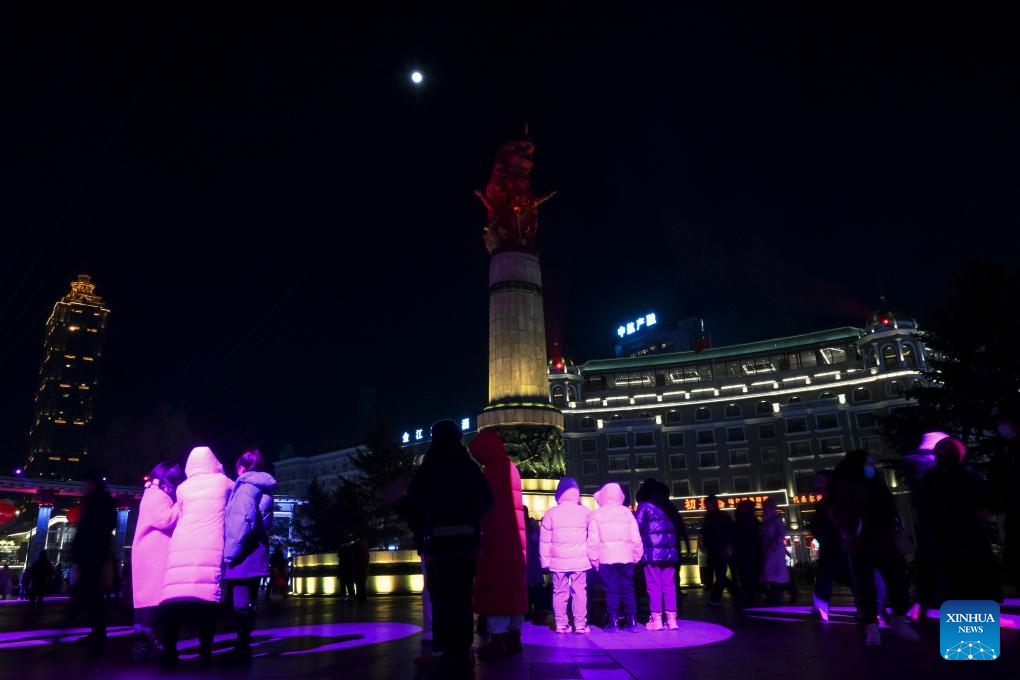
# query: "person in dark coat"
92, 551
536, 582
1004, 475
864, 511
746, 563
965, 565
39, 575
833, 562
277, 573
662, 528
444, 505
345, 571
717, 535
501, 588
249, 519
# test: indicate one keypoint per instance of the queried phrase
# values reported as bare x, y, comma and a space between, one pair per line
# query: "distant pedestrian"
564, 552
614, 547
833, 562
345, 571
278, 577
747, 549
536, 581
662, 530
717, 537
501, 589
865, 512
157, 517
362, 559
444, 506
6, 578
192, 584
775, 573
92, 552
249, 521
39, 575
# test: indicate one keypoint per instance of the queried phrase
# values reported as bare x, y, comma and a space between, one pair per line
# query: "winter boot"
872, 635
821, 609
610, 626
513, 642
495, 648
632, 626
671, 623
655, 622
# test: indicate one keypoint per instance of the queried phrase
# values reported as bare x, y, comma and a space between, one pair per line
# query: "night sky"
277, 216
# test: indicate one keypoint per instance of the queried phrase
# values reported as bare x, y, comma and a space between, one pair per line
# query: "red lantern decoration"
8, 511
74, 515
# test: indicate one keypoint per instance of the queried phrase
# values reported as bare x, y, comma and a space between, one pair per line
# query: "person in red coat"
501, 590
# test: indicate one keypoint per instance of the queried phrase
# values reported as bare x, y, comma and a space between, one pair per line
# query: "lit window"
733, 410
703, 414
72, 328
763, 408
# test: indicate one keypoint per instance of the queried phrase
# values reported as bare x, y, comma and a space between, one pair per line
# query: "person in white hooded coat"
614, 547
194, 563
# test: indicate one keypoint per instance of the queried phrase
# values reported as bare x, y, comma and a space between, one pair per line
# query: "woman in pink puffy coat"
614, 547
157, 516
194, 563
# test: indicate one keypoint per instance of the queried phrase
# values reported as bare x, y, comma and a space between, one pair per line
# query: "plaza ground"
324, 638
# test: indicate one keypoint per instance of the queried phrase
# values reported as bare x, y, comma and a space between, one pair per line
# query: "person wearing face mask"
863, 509
957, 504
1004, 475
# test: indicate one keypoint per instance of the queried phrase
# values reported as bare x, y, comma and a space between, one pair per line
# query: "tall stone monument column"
518, 385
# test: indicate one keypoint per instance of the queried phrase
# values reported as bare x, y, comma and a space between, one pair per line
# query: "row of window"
762, 408
681, 488
766, 431
710, 459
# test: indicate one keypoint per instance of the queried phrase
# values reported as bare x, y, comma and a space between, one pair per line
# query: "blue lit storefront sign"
632, 327
420, 433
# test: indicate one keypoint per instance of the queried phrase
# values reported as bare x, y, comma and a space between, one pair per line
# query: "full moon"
417, 77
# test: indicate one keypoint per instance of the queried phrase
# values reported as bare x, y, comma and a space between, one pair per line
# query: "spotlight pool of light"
417, 77
691, 634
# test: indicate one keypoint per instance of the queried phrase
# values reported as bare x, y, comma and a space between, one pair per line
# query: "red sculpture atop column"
512, 207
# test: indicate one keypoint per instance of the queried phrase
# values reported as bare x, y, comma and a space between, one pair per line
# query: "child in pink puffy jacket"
614, 547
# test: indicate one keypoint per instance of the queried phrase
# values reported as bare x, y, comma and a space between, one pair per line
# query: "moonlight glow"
417, 77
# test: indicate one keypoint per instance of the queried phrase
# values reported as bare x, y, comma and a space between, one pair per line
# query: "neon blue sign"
421, 435
632, 327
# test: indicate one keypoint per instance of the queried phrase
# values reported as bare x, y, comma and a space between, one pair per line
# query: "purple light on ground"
333, 636
35, 638
1011, 602
54, 598
691, 634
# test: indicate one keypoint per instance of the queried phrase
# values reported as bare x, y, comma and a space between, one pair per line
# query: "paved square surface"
313, 638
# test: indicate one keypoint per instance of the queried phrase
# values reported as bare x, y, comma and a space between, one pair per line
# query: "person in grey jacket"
249, 517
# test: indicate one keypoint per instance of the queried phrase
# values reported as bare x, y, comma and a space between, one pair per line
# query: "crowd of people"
479, 555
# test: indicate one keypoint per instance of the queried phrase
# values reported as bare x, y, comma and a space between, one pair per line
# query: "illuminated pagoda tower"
68, 379
519, 404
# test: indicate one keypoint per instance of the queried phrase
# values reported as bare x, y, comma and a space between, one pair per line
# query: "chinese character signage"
632, 327
730, 501
805, 498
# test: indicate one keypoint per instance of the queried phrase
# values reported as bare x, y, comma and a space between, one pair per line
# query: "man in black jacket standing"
444, 506
92, 551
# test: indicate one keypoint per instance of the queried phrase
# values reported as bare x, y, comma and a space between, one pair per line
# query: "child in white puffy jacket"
564, 552
614, 547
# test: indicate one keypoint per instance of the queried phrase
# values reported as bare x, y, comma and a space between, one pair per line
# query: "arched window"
588, 423
645, 414
895, 389
909, 356
890, 358
616, 416
571, 393
826, 395
794, 400
862, 394
557, 395
732, 410
703, 414
763, 408
873, 355
673, 417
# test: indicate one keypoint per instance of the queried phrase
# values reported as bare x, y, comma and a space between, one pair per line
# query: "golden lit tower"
68, 379
518, 382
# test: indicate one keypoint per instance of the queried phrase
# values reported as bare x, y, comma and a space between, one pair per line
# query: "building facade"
68, 381
294, 475
756, 419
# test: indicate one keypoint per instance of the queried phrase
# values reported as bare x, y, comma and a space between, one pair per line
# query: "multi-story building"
68, 380
753, 419
294, 475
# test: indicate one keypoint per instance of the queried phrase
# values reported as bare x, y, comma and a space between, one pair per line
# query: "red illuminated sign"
730, 501
805, 498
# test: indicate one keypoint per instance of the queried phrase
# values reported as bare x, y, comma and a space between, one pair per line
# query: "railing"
628, 422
